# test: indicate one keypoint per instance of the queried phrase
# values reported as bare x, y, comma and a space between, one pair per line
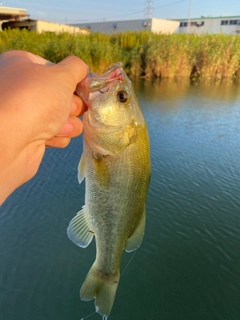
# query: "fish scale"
116, 166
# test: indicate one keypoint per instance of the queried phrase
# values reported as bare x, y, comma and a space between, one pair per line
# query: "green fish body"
116, 166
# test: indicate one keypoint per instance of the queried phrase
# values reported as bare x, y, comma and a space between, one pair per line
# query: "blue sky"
74, 11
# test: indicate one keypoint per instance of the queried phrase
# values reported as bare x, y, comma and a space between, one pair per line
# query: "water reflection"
175, 89
188, 266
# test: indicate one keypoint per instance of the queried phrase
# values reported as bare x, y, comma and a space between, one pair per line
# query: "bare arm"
38, 108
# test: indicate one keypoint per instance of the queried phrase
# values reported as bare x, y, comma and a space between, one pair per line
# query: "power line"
70, 10
170, 4
166, 5
142, 11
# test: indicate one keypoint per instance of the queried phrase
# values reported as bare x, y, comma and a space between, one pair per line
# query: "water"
188, 266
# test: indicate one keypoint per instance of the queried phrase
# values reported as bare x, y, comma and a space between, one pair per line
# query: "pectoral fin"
79, 230
135, 240
101, 170
81, 169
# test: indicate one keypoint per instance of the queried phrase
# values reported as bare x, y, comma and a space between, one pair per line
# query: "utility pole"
149, 9
189, 14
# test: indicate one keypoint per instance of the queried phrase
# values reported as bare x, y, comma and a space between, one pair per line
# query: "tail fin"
101, 288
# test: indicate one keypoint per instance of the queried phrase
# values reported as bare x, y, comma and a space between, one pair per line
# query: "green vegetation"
143, 54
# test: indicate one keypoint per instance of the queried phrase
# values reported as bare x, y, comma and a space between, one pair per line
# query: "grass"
143, 54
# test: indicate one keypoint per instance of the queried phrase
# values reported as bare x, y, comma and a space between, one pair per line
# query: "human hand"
38, 108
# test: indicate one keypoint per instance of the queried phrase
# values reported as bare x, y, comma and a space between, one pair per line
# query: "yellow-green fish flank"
116, 165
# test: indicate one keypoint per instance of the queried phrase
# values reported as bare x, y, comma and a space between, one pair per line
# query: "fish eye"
122, 96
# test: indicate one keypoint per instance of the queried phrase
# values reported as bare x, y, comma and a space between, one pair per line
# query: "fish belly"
116, 189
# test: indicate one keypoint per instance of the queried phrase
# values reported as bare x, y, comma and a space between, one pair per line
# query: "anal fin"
79, 230
135, 240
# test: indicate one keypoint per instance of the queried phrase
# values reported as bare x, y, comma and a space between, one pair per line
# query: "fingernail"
66, 129
74, 106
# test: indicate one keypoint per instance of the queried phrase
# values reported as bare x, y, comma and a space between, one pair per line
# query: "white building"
43, 26
222, 24
19, 18
155, 25
11, 14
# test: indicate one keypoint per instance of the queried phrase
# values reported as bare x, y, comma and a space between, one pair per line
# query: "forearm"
13, 146
18, 167
10, 177
37, 108
8, 183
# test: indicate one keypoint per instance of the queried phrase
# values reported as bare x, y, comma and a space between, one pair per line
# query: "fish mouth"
101, 82
114, 72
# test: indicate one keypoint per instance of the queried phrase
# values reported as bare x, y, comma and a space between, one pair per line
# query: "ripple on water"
188, 263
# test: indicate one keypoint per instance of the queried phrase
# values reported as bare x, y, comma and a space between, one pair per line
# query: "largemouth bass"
116, 165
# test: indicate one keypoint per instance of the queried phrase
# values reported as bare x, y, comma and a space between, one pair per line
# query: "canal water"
188, 266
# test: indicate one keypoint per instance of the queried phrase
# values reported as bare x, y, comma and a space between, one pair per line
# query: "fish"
116, 166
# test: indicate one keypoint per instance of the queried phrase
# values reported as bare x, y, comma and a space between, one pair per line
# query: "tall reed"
143, 54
